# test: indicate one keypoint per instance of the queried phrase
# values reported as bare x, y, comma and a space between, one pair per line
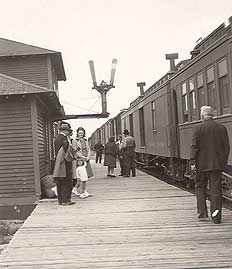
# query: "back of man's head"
206, 112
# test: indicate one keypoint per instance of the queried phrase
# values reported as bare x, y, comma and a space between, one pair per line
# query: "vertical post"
104, 102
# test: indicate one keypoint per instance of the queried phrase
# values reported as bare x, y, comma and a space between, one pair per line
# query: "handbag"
89, 170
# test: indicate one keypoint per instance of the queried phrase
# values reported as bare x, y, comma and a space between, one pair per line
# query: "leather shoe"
217, 221
71, 203
203, 216
216, 217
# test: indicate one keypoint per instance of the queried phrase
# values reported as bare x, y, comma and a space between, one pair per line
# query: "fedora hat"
126, 132
65, 126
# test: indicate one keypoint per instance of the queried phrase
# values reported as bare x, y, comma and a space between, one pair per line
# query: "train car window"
201, 90
211, 88
223, 83
192, 100
185, 102
124, 123
142, 127
131, 124
153, 110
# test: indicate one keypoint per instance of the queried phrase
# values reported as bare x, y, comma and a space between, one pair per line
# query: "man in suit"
128, 149
63, 168
98, 149
209, 154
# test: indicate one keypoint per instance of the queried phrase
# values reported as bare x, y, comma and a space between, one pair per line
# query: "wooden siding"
16, 156
43, 143
32, 69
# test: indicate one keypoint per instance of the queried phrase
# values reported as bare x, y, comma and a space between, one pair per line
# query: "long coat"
110, 154
128, 146
61, 145
210, 146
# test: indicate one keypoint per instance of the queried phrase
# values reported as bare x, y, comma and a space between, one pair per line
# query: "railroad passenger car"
206, 79
163, 117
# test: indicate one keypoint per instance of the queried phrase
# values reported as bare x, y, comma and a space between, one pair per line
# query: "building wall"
45, 140
16, 151
44, 161
33, 69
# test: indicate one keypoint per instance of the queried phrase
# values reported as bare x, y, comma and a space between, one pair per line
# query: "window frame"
224, 110
185, 102
192, 92
198, 89
131, 124
142, 127
153, 113
212, 82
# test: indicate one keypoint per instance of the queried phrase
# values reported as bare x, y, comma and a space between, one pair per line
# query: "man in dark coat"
128, 148
98, 149
209, 154
63, 168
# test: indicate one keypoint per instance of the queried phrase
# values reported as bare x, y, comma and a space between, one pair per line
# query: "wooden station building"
29, 104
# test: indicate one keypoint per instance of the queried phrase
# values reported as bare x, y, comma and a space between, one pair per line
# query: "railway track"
159, 173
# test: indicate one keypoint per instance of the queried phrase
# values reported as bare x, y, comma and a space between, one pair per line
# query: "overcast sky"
138, 33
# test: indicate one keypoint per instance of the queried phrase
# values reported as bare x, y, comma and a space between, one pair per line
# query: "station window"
223, 83
211, 89
142, 127
192, 99
131, 124
185, 102
153, 110
201, 90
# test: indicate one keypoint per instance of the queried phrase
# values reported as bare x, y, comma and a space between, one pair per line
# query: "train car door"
175, 125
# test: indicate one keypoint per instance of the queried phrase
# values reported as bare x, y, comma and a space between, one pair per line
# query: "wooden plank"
129, 223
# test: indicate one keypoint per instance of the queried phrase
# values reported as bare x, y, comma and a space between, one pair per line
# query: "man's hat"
126, 132
65, 126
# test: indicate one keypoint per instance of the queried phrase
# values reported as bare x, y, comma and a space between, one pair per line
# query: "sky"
138, 33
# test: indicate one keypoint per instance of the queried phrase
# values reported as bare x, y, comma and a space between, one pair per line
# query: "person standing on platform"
110, 156
63, 165
128, 148
209, 154
81, 146
120, 155
98, 149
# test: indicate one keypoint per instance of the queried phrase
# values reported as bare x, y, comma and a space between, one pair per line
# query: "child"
82, 175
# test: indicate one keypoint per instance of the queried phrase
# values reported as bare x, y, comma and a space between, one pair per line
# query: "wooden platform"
128, 223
